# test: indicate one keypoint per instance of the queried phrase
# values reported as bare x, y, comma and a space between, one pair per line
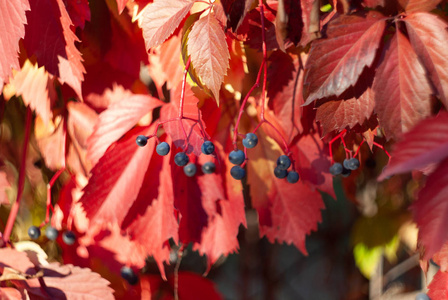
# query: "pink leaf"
402, 91
209, 53
429, 39
161, 18
336, 62
71, 282
14, 259
117, 178
427, 143
117, 120
430, 211
8, 293
121, 5
12, 14
33, 84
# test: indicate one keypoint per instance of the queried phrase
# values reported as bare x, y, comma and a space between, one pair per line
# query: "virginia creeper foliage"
80, 80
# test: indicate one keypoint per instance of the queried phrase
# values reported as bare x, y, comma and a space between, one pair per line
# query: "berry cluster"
181, 159
236, 157
52, 233
346, 168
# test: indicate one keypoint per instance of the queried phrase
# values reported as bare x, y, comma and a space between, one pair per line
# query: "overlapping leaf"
236, 10
194, 130
285, 77
287, 212
117, 120
161, 18
402, 91
426, 144
79, 12
340, 114
13, 29
208, 51
52, 41
419, 5
117, 178
429, 39
36, 88
438, 288
431, 209
336, 62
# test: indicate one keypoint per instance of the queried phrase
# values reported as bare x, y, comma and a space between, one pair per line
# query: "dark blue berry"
237, 157
129, 275
346, 172
51, 233
336, 169
422, 296
237, 172
279, 173
141, 140
353, 164
283, 162
34, 232
181, 159
292, 177
207, 148
69, 237
346, 164
163, 149
250, 141
208, 168
190, 169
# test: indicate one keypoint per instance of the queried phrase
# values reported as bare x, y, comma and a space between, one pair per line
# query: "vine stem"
176, 272
49, 186
15, 207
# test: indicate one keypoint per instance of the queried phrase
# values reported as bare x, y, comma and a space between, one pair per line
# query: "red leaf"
209, 53
336, 62
70, 282
285, 77
48, 36
4, 184
431, 209
36, 87
12, 14
313, 163
287, 212
374, 3
438, 288
429, 38
161, 18
226, 216
194, 131
402, 91
79, 12
194, 287
151, 217
117, 178
441, 258
345, 113
117, 120
419, 5
427, 143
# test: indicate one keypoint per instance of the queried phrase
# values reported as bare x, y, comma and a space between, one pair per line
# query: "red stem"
49, 186
382, 147
15, 207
